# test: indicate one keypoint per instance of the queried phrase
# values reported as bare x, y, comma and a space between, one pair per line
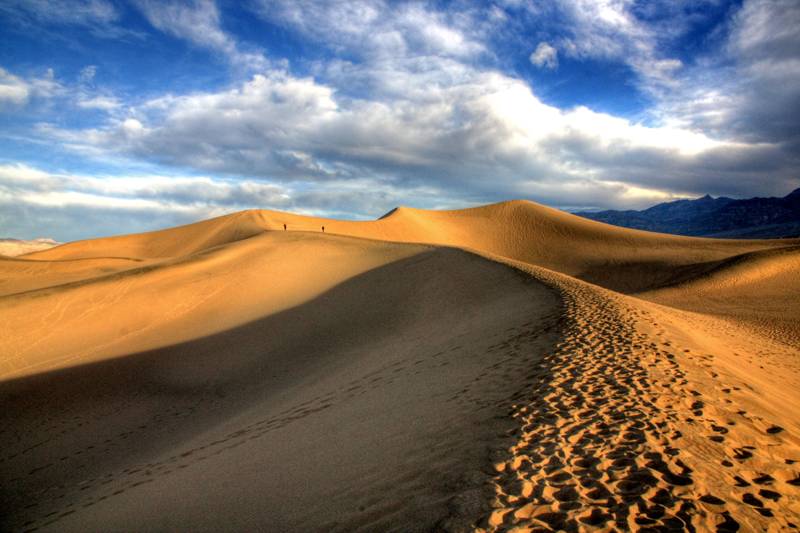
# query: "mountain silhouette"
714, 217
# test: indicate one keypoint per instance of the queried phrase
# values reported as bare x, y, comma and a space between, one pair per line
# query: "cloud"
749, 90
88, 96
759, 97
39, 94
406, 104
13, 90
67, 204
99, 17
199, 23
16, 91
135, 203
87, 74
79, 12
34, 186
375, 30
623, 31
544, 56
483, 136
743, 85
104, 103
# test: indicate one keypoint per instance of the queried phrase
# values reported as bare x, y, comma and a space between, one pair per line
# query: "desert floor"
504, 367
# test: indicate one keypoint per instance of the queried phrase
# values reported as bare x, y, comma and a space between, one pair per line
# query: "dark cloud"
750, 91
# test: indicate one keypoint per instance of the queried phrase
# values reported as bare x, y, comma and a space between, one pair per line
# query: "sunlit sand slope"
617, 258
19, 274
172, 242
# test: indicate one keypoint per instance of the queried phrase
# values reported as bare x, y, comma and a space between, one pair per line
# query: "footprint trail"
616, 435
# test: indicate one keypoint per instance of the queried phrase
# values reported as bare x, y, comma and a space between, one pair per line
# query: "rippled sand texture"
509, 367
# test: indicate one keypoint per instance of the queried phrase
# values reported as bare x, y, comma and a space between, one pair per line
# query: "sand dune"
175, 300
644, 417
18, 274
369, 406
758, 289
565, 374
173, 242
15, 247
618, 258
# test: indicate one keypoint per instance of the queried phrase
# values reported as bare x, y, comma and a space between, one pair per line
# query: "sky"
125, 116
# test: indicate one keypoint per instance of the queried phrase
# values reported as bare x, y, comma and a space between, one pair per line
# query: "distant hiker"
284, 227
323, 229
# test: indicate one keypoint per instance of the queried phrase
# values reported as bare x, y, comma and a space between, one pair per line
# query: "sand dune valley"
502, 368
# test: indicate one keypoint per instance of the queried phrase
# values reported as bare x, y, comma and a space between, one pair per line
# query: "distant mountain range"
714, 217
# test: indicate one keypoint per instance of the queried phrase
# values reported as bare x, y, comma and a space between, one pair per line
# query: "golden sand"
507, 366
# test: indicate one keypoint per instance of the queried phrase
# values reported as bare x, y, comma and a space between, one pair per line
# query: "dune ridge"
614, 257
665, 396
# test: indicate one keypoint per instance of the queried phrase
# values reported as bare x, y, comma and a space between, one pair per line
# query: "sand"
508, 366
15, 247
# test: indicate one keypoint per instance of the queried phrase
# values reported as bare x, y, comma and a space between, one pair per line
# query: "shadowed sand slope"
371, 406
233, 375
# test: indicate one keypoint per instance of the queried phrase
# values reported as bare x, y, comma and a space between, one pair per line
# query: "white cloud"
29, 185
16, 91
766, 29
100, 18
87, 74
745, 86
751, 90
47, 86
451, 137
13, 90
611, 30
74, 206
199, 23
544, 56
70, 205
80, 12
377, 29
104, 103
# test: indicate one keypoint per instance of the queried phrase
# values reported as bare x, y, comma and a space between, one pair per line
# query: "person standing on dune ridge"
323, 229
284, 227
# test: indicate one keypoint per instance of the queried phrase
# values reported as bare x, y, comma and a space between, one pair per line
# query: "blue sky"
128, 116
